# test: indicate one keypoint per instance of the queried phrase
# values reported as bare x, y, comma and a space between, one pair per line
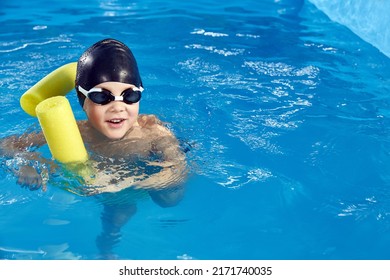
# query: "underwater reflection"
120, 207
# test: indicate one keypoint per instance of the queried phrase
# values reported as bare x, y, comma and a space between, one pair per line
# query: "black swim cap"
106, 61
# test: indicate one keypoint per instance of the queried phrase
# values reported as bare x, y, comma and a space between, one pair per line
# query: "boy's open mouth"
116, 121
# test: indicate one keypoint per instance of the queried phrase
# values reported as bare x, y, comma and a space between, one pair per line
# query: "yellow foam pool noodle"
60, 129
58, 82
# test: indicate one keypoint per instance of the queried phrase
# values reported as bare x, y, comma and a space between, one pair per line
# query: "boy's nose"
117, 106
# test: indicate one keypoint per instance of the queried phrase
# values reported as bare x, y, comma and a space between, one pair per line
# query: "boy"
109, 89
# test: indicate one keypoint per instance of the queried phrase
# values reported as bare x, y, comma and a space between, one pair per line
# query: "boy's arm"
166, 187
20, 144
165, 143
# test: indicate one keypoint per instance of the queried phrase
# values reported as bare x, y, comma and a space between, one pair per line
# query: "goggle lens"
131, 96
100, 97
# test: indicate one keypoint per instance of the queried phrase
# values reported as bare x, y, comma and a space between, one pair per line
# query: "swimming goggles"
103, 96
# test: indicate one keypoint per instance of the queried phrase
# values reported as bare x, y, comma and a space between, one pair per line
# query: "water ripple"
214, 49
16, 45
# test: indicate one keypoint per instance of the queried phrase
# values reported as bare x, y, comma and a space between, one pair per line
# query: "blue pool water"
287, 114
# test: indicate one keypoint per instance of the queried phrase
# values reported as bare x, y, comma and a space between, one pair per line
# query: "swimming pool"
287, 116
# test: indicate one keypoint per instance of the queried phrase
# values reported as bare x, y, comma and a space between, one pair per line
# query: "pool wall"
367, 19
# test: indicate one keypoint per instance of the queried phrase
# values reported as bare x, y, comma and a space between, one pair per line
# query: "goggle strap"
115, 98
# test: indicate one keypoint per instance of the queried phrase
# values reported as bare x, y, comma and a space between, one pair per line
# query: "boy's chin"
115, 136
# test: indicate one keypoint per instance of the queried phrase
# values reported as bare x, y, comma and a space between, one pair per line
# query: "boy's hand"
29, 178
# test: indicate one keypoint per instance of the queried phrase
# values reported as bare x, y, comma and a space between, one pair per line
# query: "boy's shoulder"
148, 121
152, 123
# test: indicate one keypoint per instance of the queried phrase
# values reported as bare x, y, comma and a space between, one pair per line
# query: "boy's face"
115, 118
